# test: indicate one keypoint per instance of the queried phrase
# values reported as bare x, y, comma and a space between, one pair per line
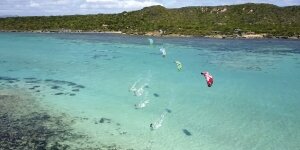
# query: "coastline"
158, 34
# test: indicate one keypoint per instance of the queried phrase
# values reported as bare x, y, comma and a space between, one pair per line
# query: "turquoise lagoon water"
253, 104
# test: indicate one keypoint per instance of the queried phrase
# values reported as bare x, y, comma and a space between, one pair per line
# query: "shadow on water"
186, 132
168, 110
155, 94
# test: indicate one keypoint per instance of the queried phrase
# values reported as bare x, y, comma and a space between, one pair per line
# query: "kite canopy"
163, 52
179, 65
150, 41
209, 79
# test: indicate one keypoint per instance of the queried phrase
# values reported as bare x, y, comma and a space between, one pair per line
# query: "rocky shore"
162, 34
252, 36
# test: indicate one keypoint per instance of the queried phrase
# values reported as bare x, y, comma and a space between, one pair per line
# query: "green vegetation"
228, 20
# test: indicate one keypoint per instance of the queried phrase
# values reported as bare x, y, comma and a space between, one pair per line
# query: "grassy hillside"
258, 18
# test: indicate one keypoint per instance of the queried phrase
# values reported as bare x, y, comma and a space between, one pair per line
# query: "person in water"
151, 126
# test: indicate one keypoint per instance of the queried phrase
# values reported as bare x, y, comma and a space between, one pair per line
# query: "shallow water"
253, 104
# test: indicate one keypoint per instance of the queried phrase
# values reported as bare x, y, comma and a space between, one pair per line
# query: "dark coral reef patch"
26, 124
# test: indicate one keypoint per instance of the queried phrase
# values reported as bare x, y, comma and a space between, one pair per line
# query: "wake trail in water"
133, 87
157, 124
140, 84
143, 102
